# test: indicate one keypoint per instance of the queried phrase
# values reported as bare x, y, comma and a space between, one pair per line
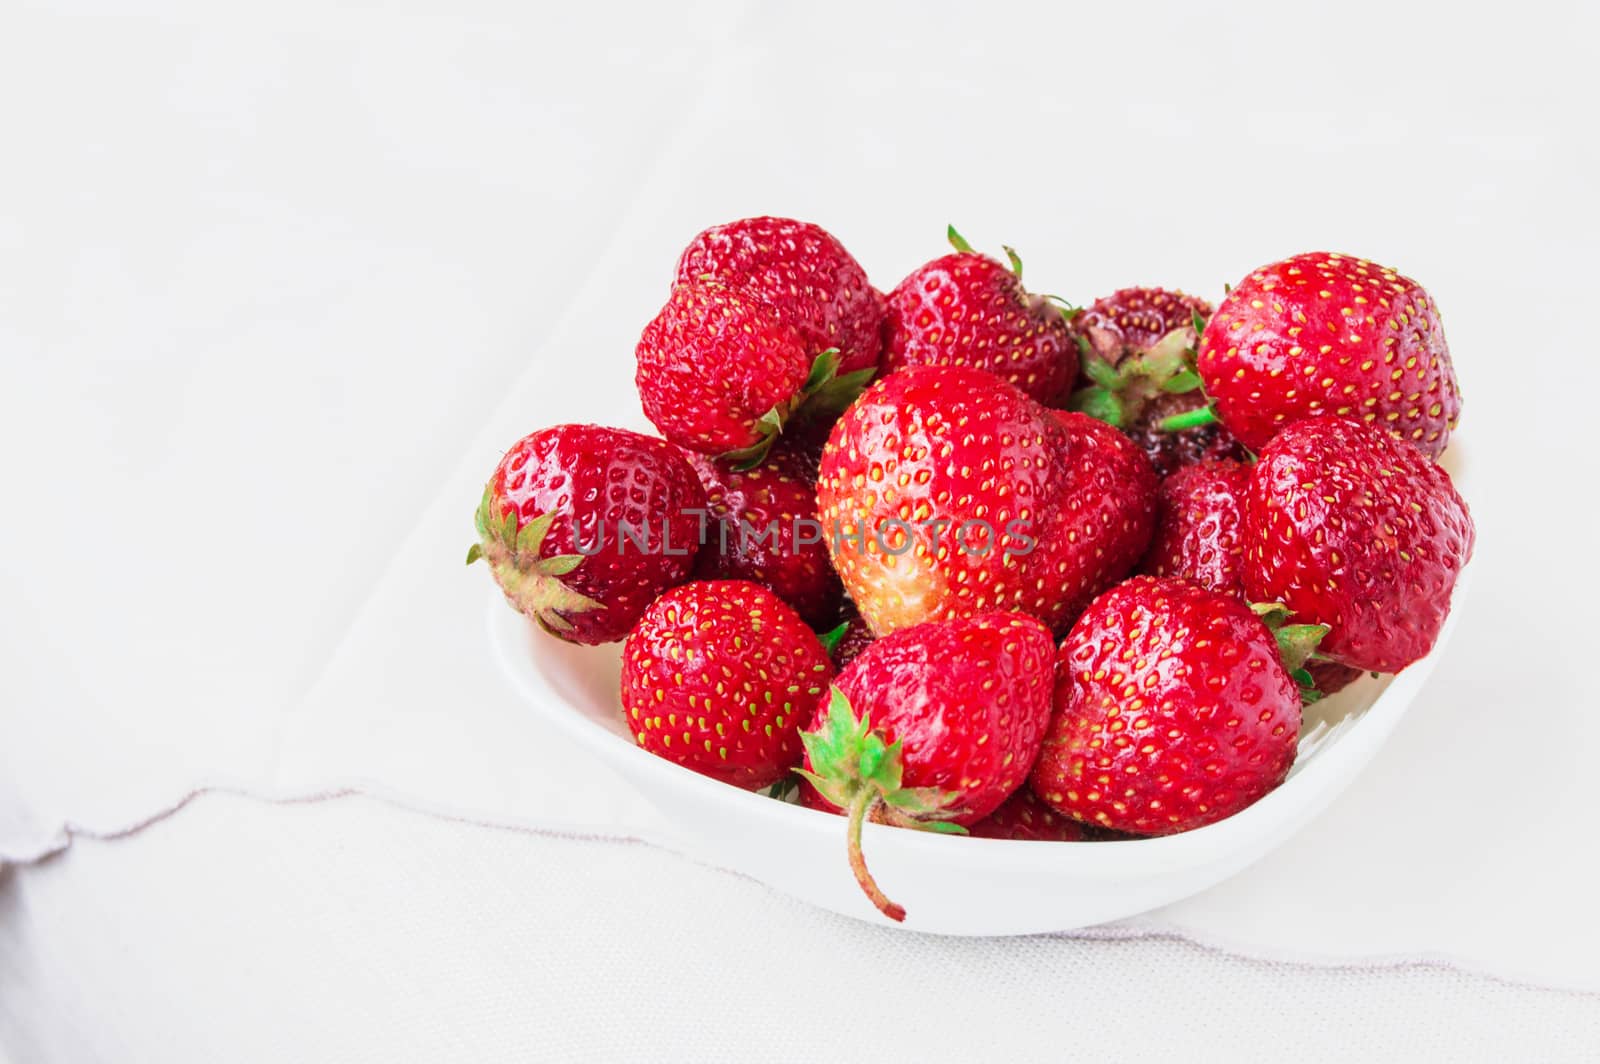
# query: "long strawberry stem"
860, 805
1189, 419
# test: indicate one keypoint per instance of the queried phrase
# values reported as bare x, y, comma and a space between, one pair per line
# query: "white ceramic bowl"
951, 885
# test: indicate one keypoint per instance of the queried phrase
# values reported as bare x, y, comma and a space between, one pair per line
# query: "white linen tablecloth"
280, 284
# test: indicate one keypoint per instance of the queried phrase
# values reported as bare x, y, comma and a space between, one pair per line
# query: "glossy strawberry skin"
802, 270
1325, 334
1349, 527
1059, 505
1200, 526
765, 531
719, 677
712, 363
966, 309
1125, 325
1025, 817
1172, 711
597, 481
969, 699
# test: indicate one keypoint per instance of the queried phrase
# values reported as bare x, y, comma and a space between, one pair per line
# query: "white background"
279, 282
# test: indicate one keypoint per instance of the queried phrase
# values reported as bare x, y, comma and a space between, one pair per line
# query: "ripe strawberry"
1322, 334
966, 309
722, 372
945, 492
933, 726
582, 526
1173, 709
766, 531
1350, 528
802, 270
1200, 526
1024, 816
719, 677
1138, 355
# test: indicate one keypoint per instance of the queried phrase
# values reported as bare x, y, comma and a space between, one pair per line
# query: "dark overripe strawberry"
847, 639
719, 676
582, 526
1139, 375
765, 530
1330, 677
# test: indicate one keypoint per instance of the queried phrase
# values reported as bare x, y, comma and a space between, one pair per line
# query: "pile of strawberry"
1075, 570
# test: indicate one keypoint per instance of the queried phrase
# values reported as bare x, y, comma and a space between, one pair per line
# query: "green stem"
1190, 419
860, 805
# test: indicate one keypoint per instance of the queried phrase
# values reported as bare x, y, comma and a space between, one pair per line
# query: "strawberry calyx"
1117, 394
854, 768
531, 584
832, 637
1297, 645
823, 396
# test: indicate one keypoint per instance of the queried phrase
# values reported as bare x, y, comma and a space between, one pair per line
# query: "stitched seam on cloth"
1123, 932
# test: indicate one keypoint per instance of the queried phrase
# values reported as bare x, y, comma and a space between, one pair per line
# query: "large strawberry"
1351, 528
1200, 526
766, 531
1138, 358
720, 676
932, 727
583, 525
966, 309
722, 372
945, 492
803, 271
1325, 334
1174, 708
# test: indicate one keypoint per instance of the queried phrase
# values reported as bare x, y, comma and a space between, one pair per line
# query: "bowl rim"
1318, 778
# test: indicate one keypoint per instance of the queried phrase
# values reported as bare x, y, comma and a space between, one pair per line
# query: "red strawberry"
848, 638
1322, 334
934, 726
945, 492
766, 531
1138, 355
1024, 816
719, 677
721, 372
1200, 526
1173, 710
1350, 528
803, 271
967, 309
582, 526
